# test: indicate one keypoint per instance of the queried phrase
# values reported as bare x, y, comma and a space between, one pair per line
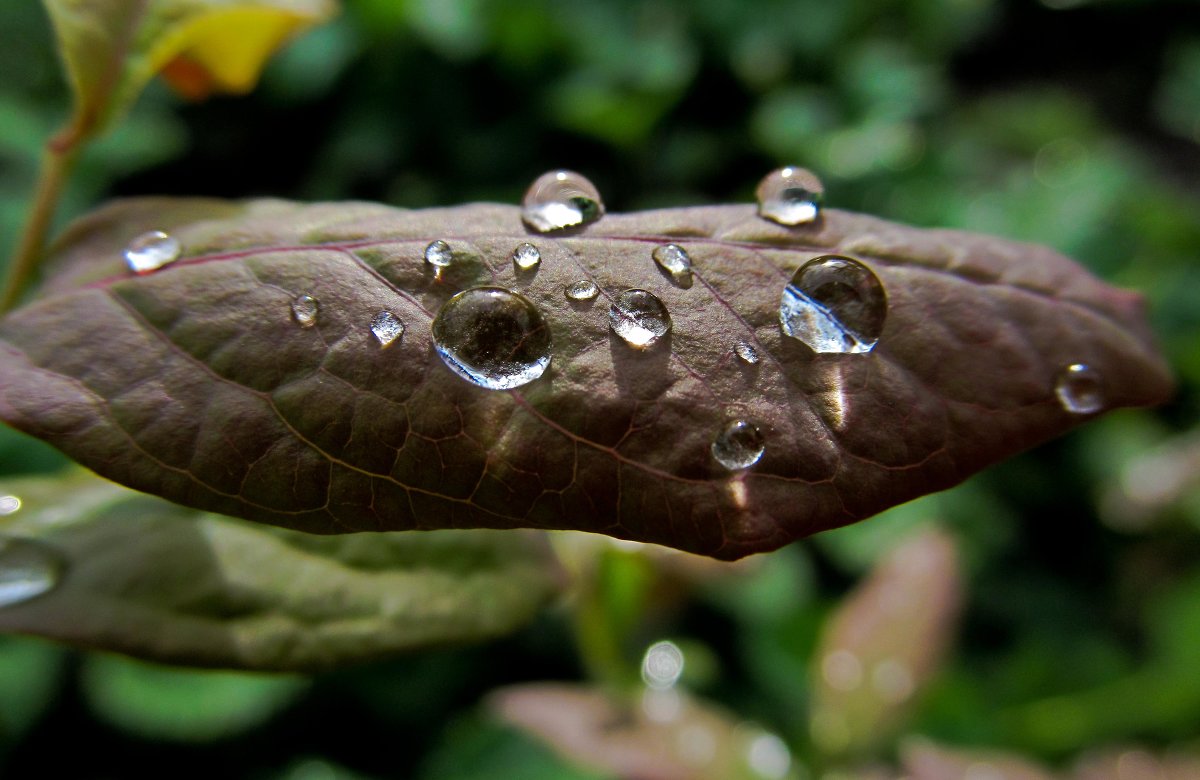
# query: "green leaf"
152, 579
196, 382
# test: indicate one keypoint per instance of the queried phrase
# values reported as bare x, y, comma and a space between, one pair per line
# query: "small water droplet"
583, 290
526, 257
673, 259
746, 352
10, 505
151, 251
739, 445
438, 254
386, 328
1080, 389
790, 196
27, 569
559, 200
639, 318
834, 304
492, 337
305, 309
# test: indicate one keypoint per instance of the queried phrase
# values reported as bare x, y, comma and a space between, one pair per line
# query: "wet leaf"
153, 579
199, 384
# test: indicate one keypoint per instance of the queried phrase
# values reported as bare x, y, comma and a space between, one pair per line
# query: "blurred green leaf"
30, 674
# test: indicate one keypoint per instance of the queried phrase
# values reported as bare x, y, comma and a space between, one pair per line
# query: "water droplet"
559, 200
675, 261
583, 290
790, 196
739, 445
526, 257
386, 328
151, 251
746, 352
662, 665
1080, 389
492, 337
438, 254
305, 309
639, 318
27, 569
9, 505
834, 304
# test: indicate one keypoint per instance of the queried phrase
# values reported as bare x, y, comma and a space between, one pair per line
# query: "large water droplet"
438, 254
746, 352
526, 257
386, 328
739, 445
1080, 389
305, 309
559, 200
151, 251
675, 261
790, 196
639, 318
582, 290
492, 337
27, 569
834, 304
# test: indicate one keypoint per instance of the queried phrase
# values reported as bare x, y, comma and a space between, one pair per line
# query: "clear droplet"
386, 328
673, 259
739, 445
151, 251
790, 196
583, 290
526, 257
438, 254
560, 199
662, 665
27, 570
9, 505
639, 318
834, 304
305, 309
492, 337
1080, 389
746, 352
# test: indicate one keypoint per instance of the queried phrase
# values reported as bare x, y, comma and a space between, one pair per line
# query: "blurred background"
1073, 123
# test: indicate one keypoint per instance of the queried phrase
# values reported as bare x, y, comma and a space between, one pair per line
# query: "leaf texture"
196, 383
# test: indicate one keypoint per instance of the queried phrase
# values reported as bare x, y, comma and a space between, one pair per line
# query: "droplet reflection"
559, 200
834, 304
28, 569
492, 337
151, 251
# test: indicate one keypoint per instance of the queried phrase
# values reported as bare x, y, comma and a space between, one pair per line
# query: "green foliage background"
1070, 123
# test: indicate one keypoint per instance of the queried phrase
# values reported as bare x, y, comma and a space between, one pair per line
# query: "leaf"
197, 384
153, 579
112, 48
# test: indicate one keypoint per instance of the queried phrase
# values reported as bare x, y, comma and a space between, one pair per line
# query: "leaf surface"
162, 582
196, 383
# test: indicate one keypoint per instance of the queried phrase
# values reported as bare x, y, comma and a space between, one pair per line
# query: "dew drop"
438, 254
386, 328
560, 199
27, 570
834, 304
526, 257
304, 310
639, 318
151, 251
746, 352
673, 259
1080, 389
739, 445
492, 337
790, 196
583, 290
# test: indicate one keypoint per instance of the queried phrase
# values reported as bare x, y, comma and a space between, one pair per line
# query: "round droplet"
560, 199
526, 257
746, 352
27, 569
1080, 389
639, 318
438, 254
386, 328
739, 445
834, 304
790, 196
675, 261
582, 290
492, 337
151, 251
305, 309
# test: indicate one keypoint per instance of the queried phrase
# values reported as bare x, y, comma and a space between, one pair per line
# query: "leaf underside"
196, 383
